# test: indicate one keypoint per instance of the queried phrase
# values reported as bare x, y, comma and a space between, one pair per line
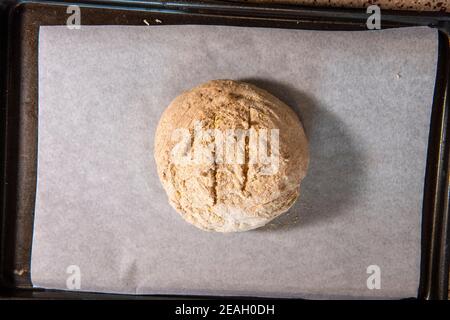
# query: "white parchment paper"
365, 100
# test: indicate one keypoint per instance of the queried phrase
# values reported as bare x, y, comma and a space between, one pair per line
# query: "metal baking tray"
19, 26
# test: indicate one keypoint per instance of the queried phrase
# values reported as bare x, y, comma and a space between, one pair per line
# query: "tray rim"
435, 231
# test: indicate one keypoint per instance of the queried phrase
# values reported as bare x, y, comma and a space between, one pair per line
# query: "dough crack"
245, 166
214, 168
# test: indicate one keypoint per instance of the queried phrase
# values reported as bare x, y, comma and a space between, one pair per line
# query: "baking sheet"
364, 98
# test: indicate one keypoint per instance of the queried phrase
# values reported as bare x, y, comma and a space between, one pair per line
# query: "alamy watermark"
374, 20
374, 280
74, 19
231, 146
73, 281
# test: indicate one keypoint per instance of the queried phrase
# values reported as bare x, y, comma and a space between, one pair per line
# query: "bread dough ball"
230, 156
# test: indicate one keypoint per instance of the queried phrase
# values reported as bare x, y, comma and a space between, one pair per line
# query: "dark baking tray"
19, 23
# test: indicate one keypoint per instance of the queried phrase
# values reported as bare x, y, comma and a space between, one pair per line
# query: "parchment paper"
365, 100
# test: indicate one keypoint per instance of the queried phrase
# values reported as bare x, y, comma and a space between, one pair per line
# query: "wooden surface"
423, 5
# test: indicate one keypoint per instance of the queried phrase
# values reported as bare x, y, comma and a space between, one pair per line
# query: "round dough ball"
230, 156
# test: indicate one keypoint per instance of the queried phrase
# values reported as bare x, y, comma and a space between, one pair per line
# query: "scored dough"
216, 193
